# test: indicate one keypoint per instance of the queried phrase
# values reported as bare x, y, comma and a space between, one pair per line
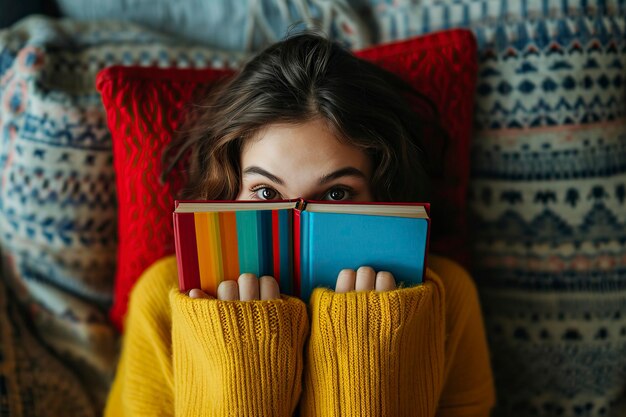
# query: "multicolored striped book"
303, 244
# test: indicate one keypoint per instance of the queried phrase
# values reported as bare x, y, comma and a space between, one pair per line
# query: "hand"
364, 279
246, 288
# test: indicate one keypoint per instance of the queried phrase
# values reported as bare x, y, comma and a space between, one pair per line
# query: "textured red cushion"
144, 107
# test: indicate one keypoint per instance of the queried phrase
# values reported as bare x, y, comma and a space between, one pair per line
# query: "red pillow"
144, 106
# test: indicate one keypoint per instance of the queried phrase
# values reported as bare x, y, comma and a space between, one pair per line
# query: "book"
303, 244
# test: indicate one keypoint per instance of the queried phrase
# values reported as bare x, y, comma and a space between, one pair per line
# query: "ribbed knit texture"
416, 351
144, 382
375, 353
237, 358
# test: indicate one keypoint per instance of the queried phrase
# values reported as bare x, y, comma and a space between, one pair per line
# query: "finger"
345, 280
248, 287
365, 279
197, 293
268, 288
385, 281
228, 290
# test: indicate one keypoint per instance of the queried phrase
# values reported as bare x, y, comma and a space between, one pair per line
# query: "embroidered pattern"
58, 210
547, 194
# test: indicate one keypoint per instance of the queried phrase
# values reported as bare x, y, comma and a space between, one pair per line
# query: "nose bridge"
303, 185
307, 196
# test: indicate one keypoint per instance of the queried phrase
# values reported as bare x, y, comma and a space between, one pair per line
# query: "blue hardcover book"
387, 237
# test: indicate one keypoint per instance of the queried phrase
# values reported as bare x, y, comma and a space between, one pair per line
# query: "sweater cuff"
362, 353
237, 357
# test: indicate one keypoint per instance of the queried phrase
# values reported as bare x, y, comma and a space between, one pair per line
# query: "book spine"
286, 251
178, 251
255, 245
427, 249
186, 251
230, 245
306, 276
278, 273
282, 237
249, 244
209, 247
264, 236
297, 251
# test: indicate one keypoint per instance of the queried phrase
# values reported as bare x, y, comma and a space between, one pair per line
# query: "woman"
305, 119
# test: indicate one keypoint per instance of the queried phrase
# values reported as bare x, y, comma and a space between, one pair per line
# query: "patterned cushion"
57, 195
211, 22
34, 381
143, 109
547, 194
549, 203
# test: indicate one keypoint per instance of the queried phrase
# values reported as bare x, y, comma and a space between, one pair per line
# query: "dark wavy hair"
301, 78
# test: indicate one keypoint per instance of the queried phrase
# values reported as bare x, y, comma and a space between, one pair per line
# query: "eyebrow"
261, 171
342, 172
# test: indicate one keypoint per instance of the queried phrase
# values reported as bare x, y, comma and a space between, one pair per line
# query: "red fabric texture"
442, 66
144, 107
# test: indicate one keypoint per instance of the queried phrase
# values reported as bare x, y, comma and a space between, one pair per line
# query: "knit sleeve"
468, 388
144, 384
375, 353
237, 357
192, 357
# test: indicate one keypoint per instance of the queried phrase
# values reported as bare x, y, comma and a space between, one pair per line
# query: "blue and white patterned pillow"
256, 23
57, 182
549, 200
547, 193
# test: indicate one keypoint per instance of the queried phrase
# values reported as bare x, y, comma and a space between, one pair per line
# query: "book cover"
302, 244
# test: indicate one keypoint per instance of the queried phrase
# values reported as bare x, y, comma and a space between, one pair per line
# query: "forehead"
309, 143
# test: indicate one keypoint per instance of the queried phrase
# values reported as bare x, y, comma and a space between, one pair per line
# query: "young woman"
305, 118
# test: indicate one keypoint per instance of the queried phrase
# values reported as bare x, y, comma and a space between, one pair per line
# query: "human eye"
339, 194
263, 192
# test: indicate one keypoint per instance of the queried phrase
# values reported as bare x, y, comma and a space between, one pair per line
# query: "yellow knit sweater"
417, 351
